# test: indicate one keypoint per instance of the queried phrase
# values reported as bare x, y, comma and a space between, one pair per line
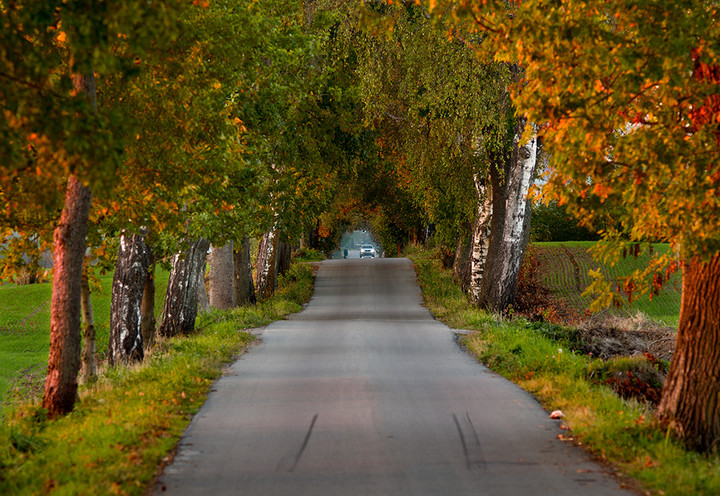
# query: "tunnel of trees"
153, 133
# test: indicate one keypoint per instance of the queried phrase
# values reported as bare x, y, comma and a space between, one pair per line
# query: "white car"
367, 251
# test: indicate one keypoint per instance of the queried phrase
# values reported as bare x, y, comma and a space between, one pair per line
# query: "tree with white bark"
629, 101
126, 343
460, 150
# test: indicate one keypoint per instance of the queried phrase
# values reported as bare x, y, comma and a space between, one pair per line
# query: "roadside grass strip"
540, 359
126, 424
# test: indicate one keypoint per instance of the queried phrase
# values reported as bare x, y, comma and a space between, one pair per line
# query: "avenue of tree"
147, 133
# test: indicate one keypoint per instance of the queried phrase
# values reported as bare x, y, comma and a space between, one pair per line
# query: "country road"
363, 393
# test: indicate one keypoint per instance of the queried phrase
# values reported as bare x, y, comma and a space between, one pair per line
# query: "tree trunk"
283, 259
125, 342
481, 235
266, 276
314, 236
222, 276
203, 301
69, 244
244, 287
181, 300
690, 401
510, 226
88, 367
147, 307
461, 263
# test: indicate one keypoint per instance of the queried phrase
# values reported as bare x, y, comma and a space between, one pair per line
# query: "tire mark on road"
462, 441
481, 462
304, 444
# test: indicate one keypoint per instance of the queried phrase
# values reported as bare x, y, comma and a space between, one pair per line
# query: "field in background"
564, 268
25, 330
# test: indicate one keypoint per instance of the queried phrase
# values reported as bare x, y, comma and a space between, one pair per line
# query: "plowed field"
564, 270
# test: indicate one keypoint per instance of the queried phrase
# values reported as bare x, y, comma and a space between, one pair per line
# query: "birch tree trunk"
479, 241
69, 244
125, 342
147, 307
88, 369
244, 286
690, 402
222, 277
510, 223
266, 276
181, 300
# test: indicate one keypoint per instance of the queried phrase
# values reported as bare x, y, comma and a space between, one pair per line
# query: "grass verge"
540, 358
25, 332
125, 425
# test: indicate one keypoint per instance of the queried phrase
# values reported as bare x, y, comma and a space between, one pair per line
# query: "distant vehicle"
367, 251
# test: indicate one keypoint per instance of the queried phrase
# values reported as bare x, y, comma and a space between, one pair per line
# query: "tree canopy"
222, 120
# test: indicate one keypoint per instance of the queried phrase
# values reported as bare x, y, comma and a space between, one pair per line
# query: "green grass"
564, 268
25, 330
539, 358
308, 255
125, 424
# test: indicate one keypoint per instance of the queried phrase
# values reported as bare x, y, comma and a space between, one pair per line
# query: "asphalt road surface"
363, 393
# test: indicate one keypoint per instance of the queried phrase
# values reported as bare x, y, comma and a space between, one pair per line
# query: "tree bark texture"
266, 276
125, 342
69, 243
222, 277
510, 225
690, 402
244, 286
181, 300
461, 262
147, 307
283, 259
480, 239
203, 301
88, 369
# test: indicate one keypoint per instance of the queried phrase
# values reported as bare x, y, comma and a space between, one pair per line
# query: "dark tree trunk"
125, 343
266, 276
510, 226
314, 236
461, 263
88, 367
147, 307
691, 396
244, 286
69, 244
181, 300
283, 259
222, 275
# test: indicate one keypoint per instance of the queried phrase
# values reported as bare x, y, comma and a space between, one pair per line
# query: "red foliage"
627, 385
704, 72
709, 111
